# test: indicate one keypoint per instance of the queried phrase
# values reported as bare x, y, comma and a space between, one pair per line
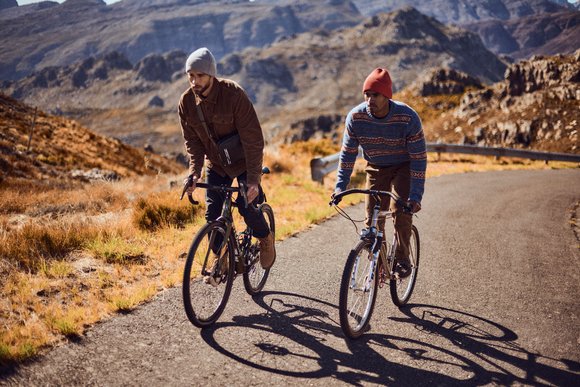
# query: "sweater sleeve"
251, 137
418, 154
193, 145
347, 157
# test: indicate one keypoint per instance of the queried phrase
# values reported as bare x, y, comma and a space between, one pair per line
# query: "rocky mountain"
535, 106
465, 11
55, 34
540, 34
5, 4
47, 34
302, 86
35, 145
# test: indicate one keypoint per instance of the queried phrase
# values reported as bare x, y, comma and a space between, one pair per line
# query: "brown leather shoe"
216, 278
267, 251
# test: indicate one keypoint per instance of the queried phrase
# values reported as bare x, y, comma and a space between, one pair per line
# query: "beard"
200, 90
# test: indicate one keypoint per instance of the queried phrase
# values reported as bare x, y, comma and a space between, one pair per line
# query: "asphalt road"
497, 302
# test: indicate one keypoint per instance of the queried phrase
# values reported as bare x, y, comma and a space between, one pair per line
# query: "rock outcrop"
445, 81
536, 106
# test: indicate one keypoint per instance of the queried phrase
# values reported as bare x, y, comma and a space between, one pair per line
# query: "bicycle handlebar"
242, 189
222, 188
372, 192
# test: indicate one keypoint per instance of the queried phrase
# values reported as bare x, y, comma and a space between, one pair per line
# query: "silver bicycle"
371, 263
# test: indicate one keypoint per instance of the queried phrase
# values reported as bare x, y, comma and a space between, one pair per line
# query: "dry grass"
100, 249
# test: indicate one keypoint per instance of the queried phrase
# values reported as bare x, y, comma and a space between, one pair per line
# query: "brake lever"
244, 193
188, 184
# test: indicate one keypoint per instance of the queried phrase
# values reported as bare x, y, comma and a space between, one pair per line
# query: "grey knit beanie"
201, 60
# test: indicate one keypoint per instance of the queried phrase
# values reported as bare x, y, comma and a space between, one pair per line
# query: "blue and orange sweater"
395, 139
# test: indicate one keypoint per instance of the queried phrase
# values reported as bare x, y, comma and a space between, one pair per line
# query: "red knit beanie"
380, 82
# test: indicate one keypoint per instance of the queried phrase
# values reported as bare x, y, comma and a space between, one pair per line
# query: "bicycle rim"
205, 295
255, 276
401, 289
357, 292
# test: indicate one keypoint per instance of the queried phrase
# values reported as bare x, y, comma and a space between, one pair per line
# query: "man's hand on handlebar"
333, 199
414, 206
190, 181
189, 186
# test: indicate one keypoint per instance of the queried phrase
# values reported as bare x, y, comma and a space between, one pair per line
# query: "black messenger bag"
230, 149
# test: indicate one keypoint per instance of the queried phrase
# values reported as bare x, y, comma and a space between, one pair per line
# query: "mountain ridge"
292, 81
51, 34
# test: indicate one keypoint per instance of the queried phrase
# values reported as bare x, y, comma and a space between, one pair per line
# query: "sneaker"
267, 251
215, 278
403, 268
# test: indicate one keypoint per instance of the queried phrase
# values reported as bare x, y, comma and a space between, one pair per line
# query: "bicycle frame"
231, 236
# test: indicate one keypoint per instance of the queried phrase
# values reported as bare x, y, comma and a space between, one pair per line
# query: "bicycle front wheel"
255, 276
208, 275
401, 289
358, 291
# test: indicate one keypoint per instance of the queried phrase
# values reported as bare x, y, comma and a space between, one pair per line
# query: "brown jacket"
227, 109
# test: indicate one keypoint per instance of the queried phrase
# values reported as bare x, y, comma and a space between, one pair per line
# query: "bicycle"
217, 255
370, 264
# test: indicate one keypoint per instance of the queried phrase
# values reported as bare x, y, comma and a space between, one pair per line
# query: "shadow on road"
292, 339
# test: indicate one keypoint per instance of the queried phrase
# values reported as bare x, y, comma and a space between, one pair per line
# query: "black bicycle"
217, 255
370, 264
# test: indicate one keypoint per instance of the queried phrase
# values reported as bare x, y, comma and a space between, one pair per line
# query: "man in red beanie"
391, 137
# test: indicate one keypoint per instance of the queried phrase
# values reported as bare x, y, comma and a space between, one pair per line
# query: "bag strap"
204, 124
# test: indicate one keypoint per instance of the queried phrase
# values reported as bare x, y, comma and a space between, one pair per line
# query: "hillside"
45, 34
301, 85
540, 34
56, 149
535, 107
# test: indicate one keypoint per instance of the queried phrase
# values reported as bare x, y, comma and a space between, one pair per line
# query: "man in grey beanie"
226, 110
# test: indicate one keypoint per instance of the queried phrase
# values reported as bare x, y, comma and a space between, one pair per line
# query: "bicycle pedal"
210, 280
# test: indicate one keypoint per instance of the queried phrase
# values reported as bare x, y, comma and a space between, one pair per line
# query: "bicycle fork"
376, 253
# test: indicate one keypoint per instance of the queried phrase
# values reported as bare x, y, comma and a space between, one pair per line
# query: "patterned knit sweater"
395, 139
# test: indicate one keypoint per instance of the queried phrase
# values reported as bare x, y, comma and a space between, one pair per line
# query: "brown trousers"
398, 179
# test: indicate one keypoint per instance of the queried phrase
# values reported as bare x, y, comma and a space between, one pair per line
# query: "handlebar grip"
192, 200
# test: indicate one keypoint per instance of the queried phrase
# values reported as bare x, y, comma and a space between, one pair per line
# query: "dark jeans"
253, 217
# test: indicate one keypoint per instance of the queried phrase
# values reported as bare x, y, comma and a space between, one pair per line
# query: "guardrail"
322, 166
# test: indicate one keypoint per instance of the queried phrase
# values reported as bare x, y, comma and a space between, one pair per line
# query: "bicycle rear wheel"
207, 279
255, 276
358, 291
401, 289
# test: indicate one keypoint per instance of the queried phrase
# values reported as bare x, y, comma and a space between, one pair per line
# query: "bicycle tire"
354, 315
204, 302
255, 276
402, 289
